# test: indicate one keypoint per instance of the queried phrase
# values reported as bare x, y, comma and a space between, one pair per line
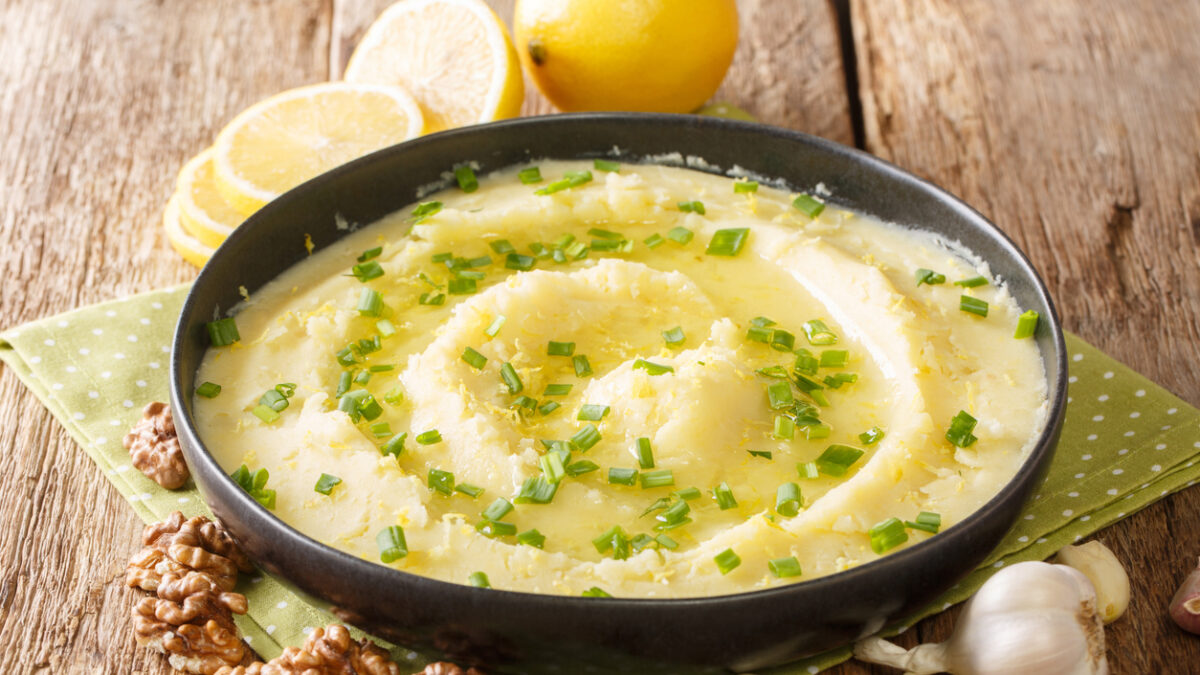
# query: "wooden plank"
1074, 127
100, 103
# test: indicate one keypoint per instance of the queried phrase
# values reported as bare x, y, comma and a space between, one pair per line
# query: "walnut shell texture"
154, 447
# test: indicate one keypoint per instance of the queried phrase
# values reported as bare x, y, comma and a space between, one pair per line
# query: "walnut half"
191, 621
328, 651
178, 544
154, 447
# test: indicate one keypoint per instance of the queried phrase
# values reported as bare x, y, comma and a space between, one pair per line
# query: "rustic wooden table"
1074, 125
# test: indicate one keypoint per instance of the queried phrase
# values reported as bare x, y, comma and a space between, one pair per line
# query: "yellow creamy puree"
913, 361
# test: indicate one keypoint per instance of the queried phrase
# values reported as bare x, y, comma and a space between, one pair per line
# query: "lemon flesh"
203, 212
650, 56
455, 56
291, 137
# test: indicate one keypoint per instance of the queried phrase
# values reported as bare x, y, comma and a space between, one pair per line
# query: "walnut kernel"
191, 621
154, 446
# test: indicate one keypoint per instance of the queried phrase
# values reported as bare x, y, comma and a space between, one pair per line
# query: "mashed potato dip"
635, 380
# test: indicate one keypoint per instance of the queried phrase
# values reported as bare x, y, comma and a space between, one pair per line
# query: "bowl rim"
946, 541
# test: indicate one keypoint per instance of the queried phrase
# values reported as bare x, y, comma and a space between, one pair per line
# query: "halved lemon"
283, 141
455, 56
191, 248
203, 212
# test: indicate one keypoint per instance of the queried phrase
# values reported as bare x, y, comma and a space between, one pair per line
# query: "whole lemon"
639, 55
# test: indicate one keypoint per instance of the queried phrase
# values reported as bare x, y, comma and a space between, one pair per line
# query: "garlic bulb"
1100, 565
1185, 606
1032, 618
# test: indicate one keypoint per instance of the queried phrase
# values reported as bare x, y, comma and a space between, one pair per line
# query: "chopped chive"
326, 483
581, 467
689, 493
592, 412
530, 175
466, 179
265, 413
222, 332
370, 253
532, 538
960, 430
926, 521
369, 408
654, 241
381, 430
586, 438
370, 302
788, 500
724, 496
394, 446
745, 186
552, 466
570, 179
666, 542
516, 261
617, 476
972, 282
973, 305
606, 234
761, 322
391, 543
760, 453
674, 336
441, 481
596, 592
782, 340
927, 276
474, 358
652, 368
727, 561
887, 535
1026, 325
808, 205
806, 363
728, 242
606, 165
818, 333
426, 278
604, 542
583, 367
498, 509
549, 407
490, 528
501, 246
529, 404
813, 432
560, 348
478, 579
657, 478
441, 257
871, 436
784, 567
429, 437
680, 235
472, 491
557, 390
432, 299
836, 380
481, 261
807, 470
366, 271
395, 395
643, 453
837, 459
363, 377
385, 328
461, 286
692, 207
759, 334
208, 390
511, 380
785, 428
675, 515
495, 326
576, 251
776, 372
779, 395
834, 358
426, 210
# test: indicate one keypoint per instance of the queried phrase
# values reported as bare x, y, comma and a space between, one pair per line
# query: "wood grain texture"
1074, 126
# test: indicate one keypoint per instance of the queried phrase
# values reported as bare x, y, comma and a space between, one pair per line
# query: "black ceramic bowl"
523, 632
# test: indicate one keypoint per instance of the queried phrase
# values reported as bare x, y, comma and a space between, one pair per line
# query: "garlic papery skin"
1100, 565
1185, 606
1032, 618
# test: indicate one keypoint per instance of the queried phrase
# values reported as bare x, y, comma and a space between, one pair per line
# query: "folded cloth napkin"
1125, 444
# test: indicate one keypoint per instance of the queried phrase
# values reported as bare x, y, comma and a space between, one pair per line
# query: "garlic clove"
1185, 605
1100, 565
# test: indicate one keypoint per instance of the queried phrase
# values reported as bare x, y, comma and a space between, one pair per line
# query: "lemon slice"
455, 56
203, 212
293, 136
191, 248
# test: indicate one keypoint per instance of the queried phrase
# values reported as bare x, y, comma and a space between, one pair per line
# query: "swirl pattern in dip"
620, 385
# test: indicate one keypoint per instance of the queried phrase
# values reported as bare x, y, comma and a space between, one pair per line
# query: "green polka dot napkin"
1125, 444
